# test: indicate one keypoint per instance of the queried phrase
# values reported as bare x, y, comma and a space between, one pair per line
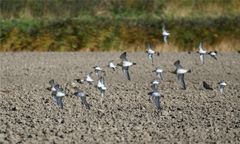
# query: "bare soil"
28, 114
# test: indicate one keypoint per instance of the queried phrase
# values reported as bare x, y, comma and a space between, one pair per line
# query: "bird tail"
134, 63
189, 71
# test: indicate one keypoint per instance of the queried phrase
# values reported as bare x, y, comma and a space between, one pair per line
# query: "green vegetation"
104, 25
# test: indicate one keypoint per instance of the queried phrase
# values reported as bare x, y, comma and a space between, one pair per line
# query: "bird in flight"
222, 85
165, 34
158, 72
58, 96
150, 52
213, 54
125, 64
180, 71
202, 53
155, 94
83, 97
112, 65
87, 79
101, 86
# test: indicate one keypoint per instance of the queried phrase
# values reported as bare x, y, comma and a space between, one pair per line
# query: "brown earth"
28, 115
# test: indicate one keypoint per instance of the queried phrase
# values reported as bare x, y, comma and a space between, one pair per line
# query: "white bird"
98, 70
155, 96
125, 64
89, 78
222, 84
111, 65
202, 53
58, 96
213, 54
101, 86
150, 52
158, 72
165, 34
180, 71
83, 96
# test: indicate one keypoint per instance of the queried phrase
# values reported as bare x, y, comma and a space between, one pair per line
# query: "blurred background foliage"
114, 25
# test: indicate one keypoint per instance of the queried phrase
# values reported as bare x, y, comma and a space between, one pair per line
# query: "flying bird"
111, 65
58, 96
180, 71
165, 34
87, 79
98, 70
125, 64
83, 98
155, 96
207, 86
158, 72
150, 52
222, 85
202, 53
213, 54
101, 86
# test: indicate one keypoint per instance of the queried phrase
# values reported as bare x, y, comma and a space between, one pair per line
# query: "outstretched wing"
200, 46
123, 56
215, 57
163, 27
202, 58
165, 39
156, 100
126, 72
150, 56
221, 89
181, 80
161, 76
59, 102
84, 102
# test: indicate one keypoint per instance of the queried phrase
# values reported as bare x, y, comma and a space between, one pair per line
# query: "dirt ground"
28, 114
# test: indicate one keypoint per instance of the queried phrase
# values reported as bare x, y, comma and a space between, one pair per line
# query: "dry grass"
211, 8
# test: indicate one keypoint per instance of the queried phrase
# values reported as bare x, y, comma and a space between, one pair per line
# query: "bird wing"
202, 58
161, 76
59, 102
126, 72
213, 56
163, 27
165, 39
221, 89
156, 100
150, 56
102, 80
200, 46
182, 81
84, 102
123, 56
